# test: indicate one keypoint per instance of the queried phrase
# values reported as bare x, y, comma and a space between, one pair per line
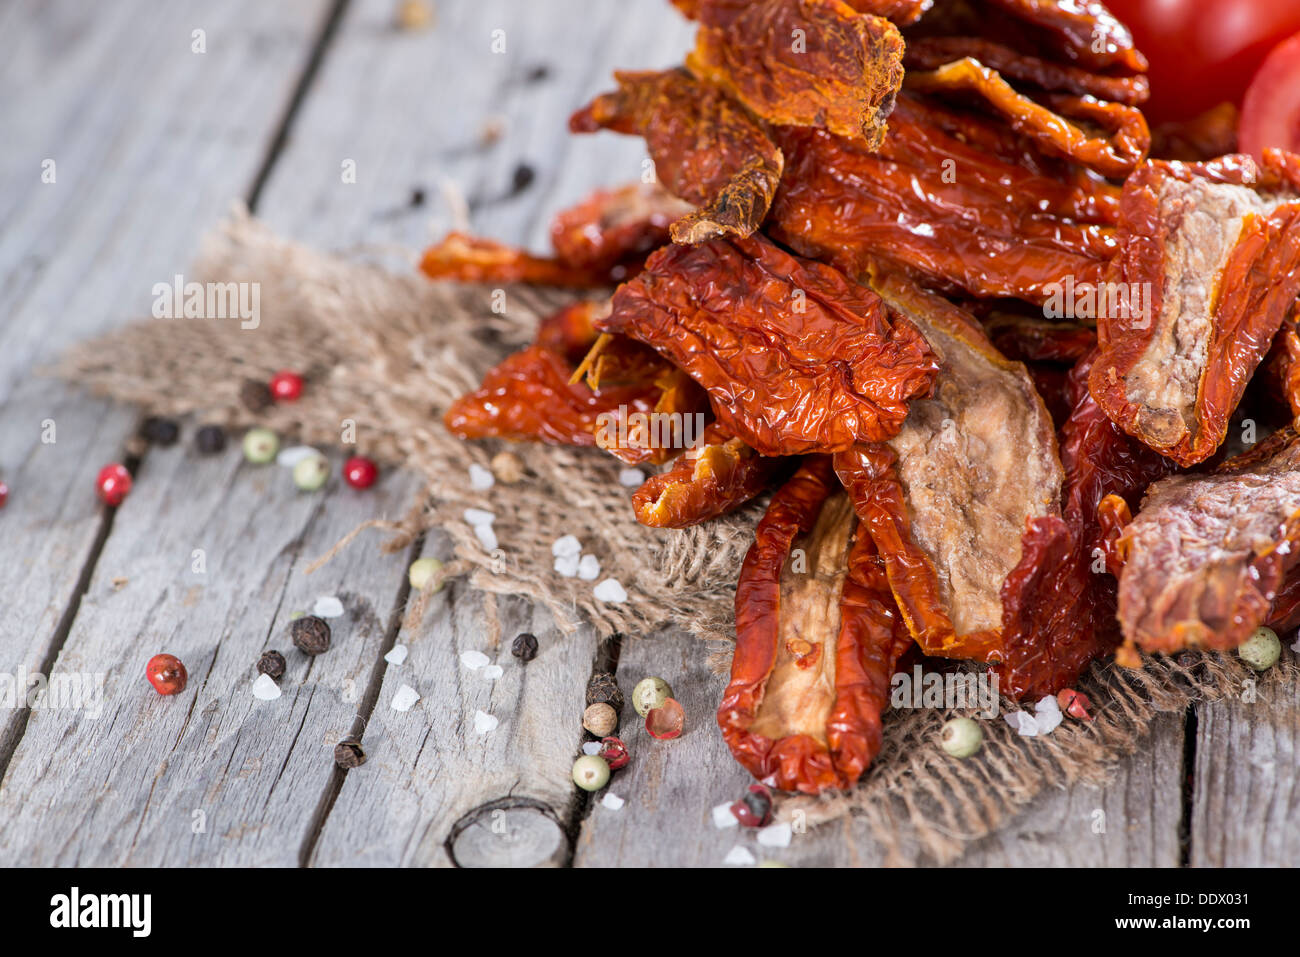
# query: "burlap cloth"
390, 351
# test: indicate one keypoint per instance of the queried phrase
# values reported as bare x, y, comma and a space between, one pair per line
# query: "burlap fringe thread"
389, 352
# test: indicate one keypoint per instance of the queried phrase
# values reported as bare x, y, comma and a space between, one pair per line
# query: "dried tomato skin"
719, 476
870, 640
1010, 225
571, 331
754, 326
843, 77
1259, 284
613, 227
1058, 613
1036, 340
707, 150
465, 258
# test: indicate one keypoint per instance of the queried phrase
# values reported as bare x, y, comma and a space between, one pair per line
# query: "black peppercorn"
522, 179
160, 431
603, 688
311, 634
255, 395
525, 647
348, 754
271, 663
210, 439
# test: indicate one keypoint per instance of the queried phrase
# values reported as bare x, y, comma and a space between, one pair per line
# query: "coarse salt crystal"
406, 697
591, 747
775, 835
631, 478
265, 688
612, 801
484, 722
610, 590
493, 672
486, 536
327, 606
1024, 723
397, 655
479, 516
739, 856
481, 479
1047, 721
566, 545
474, 660
566, 565
294, 454
722, 817
589, 568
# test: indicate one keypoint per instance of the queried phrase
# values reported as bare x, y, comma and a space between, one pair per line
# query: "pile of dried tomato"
917, 267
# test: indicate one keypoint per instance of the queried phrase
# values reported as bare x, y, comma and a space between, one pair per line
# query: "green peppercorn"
590, 772
311, 473
1261, 650
261, 446
650, 693
421, 571
961, 737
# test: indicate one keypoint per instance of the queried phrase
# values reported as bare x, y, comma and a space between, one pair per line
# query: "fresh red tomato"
1270, 115
1203, 52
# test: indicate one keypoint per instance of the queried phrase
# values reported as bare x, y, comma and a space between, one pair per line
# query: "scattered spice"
413, 15
507, 467
537, 73
260, 446
327, 606
166, 674
421, 573
285, 386
404, 699
311, 473
360, 472
255, 395
113, 483
525, 646
523, 178
666, 721
1075, 704
755, 808
650, 693
603, 687
600, 719
271, 663
210, 439
311, 635
590, 772
265, 688
614, 751
159, 431
348, 754
961, 737
1261, 650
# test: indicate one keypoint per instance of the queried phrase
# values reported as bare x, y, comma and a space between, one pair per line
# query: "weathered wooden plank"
133, 784
428, 768
1246, 791
149, 141
671, 787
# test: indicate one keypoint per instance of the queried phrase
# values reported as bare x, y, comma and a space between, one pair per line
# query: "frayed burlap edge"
385, 353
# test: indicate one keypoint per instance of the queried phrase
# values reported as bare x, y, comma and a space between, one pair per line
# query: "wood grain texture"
671, 787
150, 142
1246, 793
129, 786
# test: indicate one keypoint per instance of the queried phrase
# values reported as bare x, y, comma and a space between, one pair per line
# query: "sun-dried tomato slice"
707, 149
949, 498
468, 258
1207, 555
719, 475
817, 638
1219, 261
805, 63
951, 200
613, 227
795, 357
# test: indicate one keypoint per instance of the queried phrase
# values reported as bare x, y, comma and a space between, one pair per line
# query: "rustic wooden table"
128, 129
